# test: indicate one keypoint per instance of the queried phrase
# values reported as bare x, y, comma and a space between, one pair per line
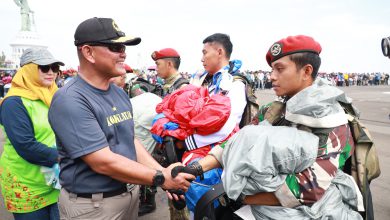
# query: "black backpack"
145, 86
157, 89
252, 107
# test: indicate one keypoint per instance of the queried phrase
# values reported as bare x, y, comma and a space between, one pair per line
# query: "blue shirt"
86, 119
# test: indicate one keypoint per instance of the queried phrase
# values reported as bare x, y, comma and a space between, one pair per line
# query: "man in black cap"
94, 127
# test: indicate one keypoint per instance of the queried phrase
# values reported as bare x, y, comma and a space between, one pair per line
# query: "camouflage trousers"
183, 214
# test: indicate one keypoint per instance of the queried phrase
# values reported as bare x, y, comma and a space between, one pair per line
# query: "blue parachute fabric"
195, 192
171, 126
158, 116
157, 138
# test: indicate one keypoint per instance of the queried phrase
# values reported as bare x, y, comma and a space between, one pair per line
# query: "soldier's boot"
147, 200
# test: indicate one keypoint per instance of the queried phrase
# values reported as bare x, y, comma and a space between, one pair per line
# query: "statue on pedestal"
2, 59
26, 13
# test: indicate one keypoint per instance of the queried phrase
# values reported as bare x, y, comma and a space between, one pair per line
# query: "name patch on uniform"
117, 118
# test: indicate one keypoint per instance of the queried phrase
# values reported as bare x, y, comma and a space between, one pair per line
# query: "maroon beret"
291, 45
165, 53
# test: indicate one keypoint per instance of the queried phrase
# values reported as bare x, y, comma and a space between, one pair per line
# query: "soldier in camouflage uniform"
295, 62
167, 65
167, 62
335, 147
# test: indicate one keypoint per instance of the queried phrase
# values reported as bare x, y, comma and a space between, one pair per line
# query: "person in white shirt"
218, 78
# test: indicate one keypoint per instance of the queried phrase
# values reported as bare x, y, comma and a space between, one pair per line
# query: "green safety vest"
23, 184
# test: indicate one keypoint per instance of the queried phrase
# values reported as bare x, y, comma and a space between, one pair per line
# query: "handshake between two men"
177, 173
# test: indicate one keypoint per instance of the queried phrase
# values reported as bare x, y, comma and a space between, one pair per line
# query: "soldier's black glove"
194, 168
178, 204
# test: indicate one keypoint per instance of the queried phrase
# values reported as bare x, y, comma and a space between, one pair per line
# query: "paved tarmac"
374, 104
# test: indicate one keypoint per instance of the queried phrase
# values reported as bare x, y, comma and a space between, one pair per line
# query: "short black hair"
301, 59
222, 39
175, 61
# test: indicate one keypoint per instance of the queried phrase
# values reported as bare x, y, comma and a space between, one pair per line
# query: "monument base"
22, 41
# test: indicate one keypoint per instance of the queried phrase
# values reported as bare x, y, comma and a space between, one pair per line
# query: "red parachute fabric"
194, 110
191, 155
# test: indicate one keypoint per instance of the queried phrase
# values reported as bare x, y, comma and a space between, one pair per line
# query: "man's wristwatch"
158, 178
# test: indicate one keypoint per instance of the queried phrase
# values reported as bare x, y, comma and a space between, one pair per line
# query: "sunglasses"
45, 68
116, 48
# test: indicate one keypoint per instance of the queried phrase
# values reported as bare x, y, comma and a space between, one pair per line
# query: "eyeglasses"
54, 67
116, 48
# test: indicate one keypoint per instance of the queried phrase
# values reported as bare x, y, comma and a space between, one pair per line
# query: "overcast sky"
350, 31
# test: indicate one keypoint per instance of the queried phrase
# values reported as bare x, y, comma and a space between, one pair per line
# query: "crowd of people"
88, 149
357, 79
5, 83
260, 79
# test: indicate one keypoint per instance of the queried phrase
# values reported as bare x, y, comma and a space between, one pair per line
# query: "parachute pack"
252, 107
364, 163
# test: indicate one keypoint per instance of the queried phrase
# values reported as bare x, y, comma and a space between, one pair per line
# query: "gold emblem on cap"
115, 26
154, 55
276, 49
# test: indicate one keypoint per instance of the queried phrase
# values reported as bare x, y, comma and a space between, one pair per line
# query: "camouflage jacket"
335, 147
173, 83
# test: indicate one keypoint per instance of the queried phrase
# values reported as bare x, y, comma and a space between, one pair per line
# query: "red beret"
69, 71
128, 68
165, 53
291, 45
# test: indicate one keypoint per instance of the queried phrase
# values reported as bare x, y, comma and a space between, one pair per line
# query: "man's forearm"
208, 163
119, 167
263, 198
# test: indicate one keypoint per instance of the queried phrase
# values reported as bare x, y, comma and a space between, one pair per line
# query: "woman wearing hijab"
29, 163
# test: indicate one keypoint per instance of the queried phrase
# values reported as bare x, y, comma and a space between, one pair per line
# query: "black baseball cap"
102, 30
